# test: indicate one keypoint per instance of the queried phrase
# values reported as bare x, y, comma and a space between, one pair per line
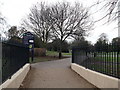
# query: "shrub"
39, 52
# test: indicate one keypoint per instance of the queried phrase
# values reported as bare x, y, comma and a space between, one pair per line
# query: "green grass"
54, 53
107, 58
50, 55
98, 64
109, 53
66, 54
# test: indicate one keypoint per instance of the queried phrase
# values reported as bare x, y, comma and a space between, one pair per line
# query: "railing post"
72, 55
118, 64
0, 60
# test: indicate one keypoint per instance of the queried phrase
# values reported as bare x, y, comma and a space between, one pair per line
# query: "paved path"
54, 74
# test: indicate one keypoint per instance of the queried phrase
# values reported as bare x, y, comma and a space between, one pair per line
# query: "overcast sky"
15, 10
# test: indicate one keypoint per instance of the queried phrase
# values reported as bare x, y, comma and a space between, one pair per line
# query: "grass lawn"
50, 55
66, 54
45, 58
54, 53
109, 58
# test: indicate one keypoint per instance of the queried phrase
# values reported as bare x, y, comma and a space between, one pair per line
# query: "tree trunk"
60, 51
60, 55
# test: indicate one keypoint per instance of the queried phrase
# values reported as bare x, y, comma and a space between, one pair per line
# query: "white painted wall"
95, 78
17, 78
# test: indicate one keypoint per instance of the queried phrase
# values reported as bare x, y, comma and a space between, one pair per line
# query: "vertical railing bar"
111, 61
107, 56
115, 54
73, 55
94, 62
102, 63
105, 59
117, 63
108, 59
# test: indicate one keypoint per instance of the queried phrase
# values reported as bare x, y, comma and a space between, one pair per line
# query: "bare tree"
60, 20
103, 37
13, 31
39, 20
2, 25
70, 21
2, 19
111, 8
21, 31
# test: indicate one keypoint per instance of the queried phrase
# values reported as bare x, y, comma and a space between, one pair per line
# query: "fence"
13, 58
103, 61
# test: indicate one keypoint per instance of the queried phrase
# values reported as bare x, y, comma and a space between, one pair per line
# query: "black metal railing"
103, 61
14, 57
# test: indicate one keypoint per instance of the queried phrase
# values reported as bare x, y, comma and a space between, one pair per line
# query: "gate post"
0, 61
72, 55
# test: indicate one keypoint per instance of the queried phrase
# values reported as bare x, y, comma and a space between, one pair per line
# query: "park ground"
54, 74
50, 56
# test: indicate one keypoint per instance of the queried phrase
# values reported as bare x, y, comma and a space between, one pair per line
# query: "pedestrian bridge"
54, 74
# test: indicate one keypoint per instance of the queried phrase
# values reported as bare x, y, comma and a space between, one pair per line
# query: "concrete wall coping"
98, 79
16, 78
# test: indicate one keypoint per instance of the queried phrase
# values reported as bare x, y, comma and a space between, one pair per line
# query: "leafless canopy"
39, 20
70, 21
2, 25
60, 20
111, 8
2, 19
